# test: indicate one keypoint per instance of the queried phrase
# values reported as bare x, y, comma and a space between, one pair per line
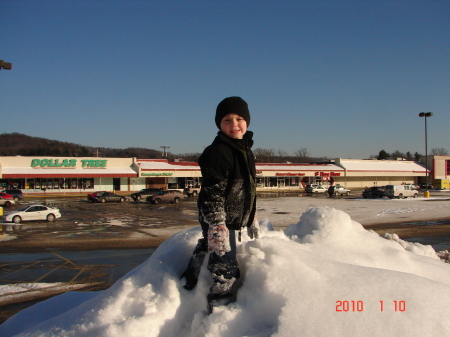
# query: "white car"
33, 212
315, 189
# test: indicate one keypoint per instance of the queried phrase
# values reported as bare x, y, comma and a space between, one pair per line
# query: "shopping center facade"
75, 174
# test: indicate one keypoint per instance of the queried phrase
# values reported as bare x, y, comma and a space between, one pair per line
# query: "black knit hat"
232, 105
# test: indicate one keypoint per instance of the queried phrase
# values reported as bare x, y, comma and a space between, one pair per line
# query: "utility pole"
164, 151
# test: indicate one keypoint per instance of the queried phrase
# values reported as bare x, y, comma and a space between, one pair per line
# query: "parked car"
192, 191
107, 197
166, 196
91, 196
6, 199
33, 212
17, 194
374, 192
315, 189
341, 190
144, 193
424, 186
400, 191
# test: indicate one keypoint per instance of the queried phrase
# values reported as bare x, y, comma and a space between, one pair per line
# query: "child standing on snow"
226, 202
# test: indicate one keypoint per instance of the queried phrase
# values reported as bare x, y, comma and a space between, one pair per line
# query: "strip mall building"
64, 175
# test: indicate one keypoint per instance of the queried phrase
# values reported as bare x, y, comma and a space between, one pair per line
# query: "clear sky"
340, 78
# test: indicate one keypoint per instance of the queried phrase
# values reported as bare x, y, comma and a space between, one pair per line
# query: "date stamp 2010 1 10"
358, 306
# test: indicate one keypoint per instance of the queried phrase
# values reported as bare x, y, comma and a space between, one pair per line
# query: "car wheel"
17, 219
400, 196
348, 193
103, 200
415, 195
50, 217
138, 198
157, 201
176, 200
7, 203
194, 194
16, 199
122, 199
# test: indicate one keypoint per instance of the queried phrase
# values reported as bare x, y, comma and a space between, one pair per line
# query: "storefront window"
48, 183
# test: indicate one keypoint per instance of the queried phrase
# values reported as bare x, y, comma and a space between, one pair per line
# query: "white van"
400, 191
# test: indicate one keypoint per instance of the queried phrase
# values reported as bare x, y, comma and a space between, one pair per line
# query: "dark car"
144, 193
108, 197
166, 196
91, 196
17, 194
374, 192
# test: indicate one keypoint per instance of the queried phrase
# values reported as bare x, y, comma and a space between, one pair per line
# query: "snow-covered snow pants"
224, 269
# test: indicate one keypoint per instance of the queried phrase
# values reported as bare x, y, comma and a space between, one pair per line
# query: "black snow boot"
218, 298
195, 265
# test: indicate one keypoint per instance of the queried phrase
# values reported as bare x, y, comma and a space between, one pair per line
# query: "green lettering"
35, 162
72, 162
54, 163
65, 163
103, 163
84, 162
44, 162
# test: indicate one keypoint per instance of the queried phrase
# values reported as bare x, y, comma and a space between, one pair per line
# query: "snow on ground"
325, 275
283, 212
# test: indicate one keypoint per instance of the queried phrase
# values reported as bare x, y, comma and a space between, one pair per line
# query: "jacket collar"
246, 142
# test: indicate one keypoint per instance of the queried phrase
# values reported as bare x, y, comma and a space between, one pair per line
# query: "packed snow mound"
324, 276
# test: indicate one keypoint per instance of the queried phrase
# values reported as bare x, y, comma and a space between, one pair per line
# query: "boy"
226, 202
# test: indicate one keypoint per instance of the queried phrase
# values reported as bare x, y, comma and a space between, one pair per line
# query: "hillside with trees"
16, 144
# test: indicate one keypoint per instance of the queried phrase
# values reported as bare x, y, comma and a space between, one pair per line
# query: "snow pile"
325, 276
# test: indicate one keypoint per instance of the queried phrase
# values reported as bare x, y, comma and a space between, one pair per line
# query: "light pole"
426, 114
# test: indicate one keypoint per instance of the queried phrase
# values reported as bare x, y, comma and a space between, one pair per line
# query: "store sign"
85, 163
327, 174
154, 174
289, 174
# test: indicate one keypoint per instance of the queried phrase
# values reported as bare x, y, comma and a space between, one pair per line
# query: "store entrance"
116, 184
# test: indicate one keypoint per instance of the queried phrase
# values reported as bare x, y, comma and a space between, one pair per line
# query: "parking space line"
61, 257
76, 276
25, 267
54, 269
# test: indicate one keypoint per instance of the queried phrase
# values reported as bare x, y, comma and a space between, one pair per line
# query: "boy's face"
234, 126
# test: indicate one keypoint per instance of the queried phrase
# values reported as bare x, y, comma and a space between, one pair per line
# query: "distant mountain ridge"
17, 144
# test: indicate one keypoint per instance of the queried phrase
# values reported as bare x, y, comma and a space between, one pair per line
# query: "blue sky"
340, 78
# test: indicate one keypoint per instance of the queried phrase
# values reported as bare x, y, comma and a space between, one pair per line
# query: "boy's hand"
219, 240
253, 230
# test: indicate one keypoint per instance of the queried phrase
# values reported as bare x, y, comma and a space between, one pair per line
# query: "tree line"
16, 144
383, 155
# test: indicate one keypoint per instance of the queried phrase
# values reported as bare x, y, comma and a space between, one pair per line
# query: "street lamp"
426, 114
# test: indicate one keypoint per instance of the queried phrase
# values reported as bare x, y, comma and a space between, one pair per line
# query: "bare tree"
282, 155
302, 153
398, 154
264, 155
439, 151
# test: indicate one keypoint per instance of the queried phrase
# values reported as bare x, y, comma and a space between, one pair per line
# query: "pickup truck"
192, 191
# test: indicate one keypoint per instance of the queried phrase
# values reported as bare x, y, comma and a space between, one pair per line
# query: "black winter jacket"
228, 193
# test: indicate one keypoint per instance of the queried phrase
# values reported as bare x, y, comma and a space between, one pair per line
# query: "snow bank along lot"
324, 275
